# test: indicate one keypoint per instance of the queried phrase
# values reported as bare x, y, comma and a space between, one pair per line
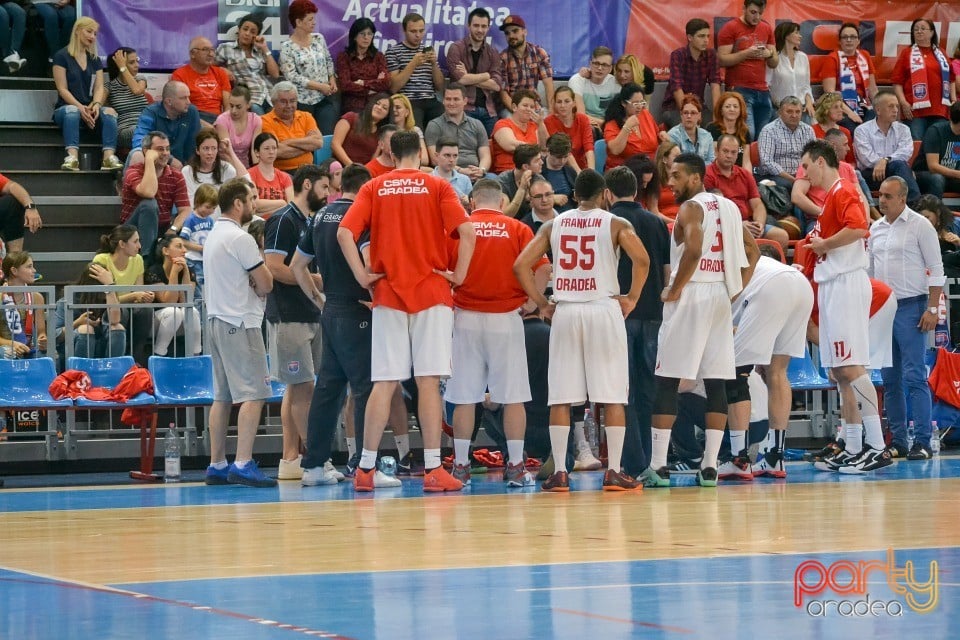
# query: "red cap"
513, 21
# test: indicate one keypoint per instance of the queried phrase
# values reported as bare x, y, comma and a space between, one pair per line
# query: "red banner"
655, 29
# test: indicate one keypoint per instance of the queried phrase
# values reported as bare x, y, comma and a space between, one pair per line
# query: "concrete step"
59, 268
43, 155
31, 133
99, 211
55, 238
77, 184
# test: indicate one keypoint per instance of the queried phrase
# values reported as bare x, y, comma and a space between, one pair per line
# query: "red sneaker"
619, 481
559, 482
363, 480
439, 479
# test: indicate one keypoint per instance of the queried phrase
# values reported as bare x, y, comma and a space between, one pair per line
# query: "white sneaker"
290, 469
586, 461
317, 476
332, 470
13, 62
383, 481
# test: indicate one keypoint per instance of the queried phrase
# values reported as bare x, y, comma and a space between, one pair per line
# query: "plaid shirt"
690, 75
231, 56
525, 72
780, 148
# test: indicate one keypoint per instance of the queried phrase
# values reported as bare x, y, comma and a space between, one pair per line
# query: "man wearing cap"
523, 64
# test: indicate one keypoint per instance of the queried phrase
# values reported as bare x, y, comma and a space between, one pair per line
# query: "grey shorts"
295, 349
239, 362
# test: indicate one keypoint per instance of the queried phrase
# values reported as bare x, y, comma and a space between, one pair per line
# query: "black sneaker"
833, 463
869, 459
351, 469
707, 477
833, 447
898, 451
683, 467
407, 466
919, 452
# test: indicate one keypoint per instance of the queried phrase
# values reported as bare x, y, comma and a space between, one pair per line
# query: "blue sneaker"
250, 475
216, 476
352, 464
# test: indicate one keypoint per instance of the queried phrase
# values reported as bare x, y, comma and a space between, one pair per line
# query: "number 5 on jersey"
577, 251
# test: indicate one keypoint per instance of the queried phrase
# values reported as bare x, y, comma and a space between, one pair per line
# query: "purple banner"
161, 32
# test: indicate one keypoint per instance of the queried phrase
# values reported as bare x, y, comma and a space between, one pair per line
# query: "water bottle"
590, 431
171, 455
388, 466
934, 439
910, 435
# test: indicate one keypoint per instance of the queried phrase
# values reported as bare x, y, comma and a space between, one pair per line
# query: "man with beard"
238, 280
523, 65
293, 323
475, 64
710, 259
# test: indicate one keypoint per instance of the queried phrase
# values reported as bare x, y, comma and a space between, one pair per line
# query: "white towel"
734, 255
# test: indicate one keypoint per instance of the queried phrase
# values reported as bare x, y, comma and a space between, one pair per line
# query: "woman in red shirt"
522, 127
629, 128
565, 119
850, 72
923, 80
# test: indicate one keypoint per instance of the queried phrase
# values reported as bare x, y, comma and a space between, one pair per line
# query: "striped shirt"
420, 84
127, 105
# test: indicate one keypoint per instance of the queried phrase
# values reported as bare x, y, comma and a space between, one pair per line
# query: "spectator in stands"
27, 324
730, 117
17, 212
78, 76
828, 115
126, 93
171, 267
693, 68
152, 190
98, 331
475, 64
884, 145
735, 183
648, 182
382, 161
524, 125
558, 172
274, 187
791, 77
923, 79
629, 69
940, 216
402, 117
472, 140
415, 72
195, 230
781, 144
523, 65
355, 136
629, 127
213, 163
746, 48
361, 68
239, 124
209, 84
120, 253
662, 201
445, 166
542, 210
307, 63
515, 182
296, 130
250, 62
333, 168
58, 17
689, 135
850, 72
594, 93
566, 119
938, 164
173, 116
13, 27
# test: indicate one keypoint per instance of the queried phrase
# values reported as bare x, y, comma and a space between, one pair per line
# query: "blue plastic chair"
803, 376
277, 388
107, 372
182, 382
325, 151
600, 154
26, 384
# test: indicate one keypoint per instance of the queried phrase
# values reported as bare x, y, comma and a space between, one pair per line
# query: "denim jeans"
908, 375
57, 25
759, 109
68, 119
919, 126
146, 218
483, 116
13, 26
326, 113
642, 358
897, 168
102, 343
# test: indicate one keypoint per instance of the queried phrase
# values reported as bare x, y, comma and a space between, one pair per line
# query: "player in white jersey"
710, 259
588, 339
770, 317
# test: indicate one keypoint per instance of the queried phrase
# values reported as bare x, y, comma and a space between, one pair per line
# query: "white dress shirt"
905, 254
790, 79
870, 144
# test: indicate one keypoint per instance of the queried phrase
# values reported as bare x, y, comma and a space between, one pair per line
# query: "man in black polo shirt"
293, 322
643, 323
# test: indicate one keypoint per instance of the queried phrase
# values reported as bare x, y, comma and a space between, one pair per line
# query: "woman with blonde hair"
730, 117
81, 92
829, 113
629, 69
401, 114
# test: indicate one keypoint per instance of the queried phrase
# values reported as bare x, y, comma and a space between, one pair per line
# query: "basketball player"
839, 241
710, 259
588, 339
410, 215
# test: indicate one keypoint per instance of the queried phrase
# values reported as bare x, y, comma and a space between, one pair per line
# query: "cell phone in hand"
428, 48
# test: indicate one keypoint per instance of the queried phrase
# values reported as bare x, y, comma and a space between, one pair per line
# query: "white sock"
738, 441
711, 448
841, 430
240, 464
368, 459
873, 432
853, 438
431, 459
558, 445
461, 450
403, 445
660, 444
351, 447
515, 451
615, 436
219, 465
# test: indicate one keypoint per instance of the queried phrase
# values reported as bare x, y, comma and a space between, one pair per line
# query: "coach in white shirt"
905, 254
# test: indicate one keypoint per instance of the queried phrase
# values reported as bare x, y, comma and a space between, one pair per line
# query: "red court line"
636, 623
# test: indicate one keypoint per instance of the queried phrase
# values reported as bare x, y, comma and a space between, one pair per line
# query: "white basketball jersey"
584, 261
710, 267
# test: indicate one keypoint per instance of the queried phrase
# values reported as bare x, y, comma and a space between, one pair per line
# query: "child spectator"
28, 326
195, 230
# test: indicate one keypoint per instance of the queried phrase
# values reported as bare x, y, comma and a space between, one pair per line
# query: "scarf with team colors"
848, 82
918, 78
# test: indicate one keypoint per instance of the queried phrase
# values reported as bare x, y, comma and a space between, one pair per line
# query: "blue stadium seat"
325, 151
26, 384
600, 154
107, 372
803, 376
183, 382
277, 388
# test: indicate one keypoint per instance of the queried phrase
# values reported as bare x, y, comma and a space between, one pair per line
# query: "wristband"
123, 69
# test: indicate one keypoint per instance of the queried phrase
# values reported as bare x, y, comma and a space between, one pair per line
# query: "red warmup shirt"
749, 74
739, 187
805, 259
410, 214
490, 285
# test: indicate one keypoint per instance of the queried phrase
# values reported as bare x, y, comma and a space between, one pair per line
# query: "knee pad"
665, 402
738, 389
716, 395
